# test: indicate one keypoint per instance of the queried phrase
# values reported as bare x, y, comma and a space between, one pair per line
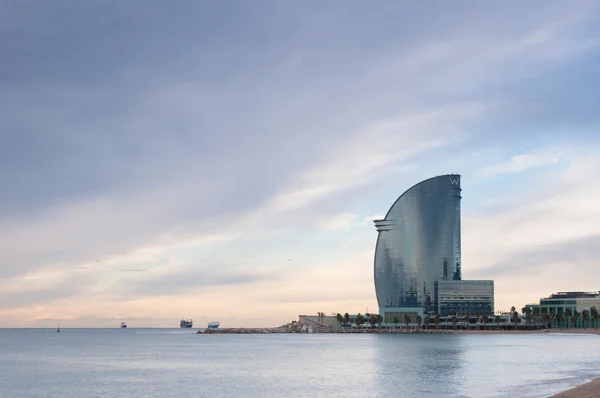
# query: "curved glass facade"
419, 244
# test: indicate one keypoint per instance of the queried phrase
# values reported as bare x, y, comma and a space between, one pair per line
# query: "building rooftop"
574, 295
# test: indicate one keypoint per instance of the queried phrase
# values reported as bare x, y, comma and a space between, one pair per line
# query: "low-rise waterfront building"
566, 309
465, 296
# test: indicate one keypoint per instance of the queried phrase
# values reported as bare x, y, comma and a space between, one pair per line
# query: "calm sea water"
179, 363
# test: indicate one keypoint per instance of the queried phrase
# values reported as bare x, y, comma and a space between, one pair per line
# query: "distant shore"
336, 331
587, 390
397, 331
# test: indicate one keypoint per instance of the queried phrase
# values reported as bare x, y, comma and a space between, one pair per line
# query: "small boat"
214, 325
58, 329
123, 325
186, 323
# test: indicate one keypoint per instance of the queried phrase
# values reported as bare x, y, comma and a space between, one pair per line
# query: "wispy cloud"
519, 163
224, 151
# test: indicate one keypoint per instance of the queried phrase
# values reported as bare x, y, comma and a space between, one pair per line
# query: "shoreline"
587, 390
537, 331
398, 331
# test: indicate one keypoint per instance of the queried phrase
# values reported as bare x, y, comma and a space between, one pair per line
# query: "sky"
225, 160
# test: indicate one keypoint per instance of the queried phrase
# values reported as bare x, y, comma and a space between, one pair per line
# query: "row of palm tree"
437, 320
359, 320
568, 317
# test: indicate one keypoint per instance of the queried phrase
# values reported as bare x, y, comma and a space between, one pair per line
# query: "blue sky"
224, 160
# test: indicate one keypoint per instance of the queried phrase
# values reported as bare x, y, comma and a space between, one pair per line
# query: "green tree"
515, 318
528, 318
574, 318
585, 316
372, 320
528, 315
426, 322
594, 314
559, 319
436, 320
484, 320
406, 320
454, 321
379, 320
547, 319
340, 318
419, 320
498, 320
347, 319
358, 320
395, 320
567, 317
552, 317
467, 320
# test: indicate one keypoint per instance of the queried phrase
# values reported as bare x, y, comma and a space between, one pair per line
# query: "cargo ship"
214, 325
186, 323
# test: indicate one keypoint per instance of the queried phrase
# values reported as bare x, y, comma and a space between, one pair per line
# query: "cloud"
519, 163
545, 240
341, 221
199, 142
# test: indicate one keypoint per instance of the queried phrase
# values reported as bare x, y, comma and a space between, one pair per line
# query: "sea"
180, 363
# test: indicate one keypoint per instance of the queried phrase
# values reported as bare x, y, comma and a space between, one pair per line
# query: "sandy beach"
562, 331
588, 390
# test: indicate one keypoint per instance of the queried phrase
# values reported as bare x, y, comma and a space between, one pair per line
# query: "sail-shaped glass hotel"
419, 245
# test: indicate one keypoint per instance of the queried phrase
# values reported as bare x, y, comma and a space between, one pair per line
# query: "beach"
537, 331
587, 390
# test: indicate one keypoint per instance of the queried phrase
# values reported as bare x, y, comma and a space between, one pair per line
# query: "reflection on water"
180, 363
418, 365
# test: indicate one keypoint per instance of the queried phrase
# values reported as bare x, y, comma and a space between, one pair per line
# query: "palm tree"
484, 320
515, 317
528, 317
358, 320
574, 319
436, 320
567, 317
559, 319
372, 320
347, 318
419, 320
340, 319
467, 320
594, 313
585, 315
379, 320
395, 320
426, 322
454, 321
498, 320
406, 320
547, 318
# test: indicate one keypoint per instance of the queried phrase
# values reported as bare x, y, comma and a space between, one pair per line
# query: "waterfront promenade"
338, 331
